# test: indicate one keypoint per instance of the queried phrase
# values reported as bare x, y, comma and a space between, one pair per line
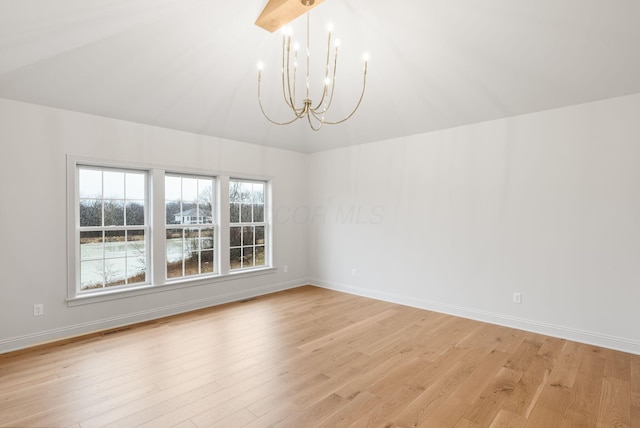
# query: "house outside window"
190, 229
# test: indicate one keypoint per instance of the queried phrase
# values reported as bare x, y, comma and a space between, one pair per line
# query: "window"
135, 229
190, 230
247, 226
112, 228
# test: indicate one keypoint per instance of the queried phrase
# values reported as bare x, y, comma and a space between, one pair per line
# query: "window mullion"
158, 256
223, 225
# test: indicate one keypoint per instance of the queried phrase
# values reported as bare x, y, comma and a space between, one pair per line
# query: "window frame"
264, 223
213, 225
157, 280
105, 228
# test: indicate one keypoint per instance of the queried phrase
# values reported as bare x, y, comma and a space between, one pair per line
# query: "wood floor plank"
507, 419
436, 391
585, 394
635, 410
529, 388
483, 410
447, 414
615, 403
565, 370
276, 415
312, 357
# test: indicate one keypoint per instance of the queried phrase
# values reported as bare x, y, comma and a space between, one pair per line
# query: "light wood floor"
316, 358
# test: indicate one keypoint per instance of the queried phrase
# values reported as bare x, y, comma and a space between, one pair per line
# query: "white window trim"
156, 276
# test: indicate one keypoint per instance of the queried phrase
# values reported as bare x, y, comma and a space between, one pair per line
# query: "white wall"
34, 143
545, 204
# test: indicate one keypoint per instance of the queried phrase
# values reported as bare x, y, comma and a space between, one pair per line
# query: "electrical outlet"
517, 298
285, 268
38, 309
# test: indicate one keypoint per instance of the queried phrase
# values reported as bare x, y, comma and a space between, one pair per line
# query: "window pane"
260, 235
189, 189
245, 213
114, 213
136, 270
235, 212
175, 256
114, 244
206, 260
113, 185
192, 264
247, 256
114, 272
189, 213
235, 236
90, 183
172, 211
206, 236
135, 243
246, 192
135, 213
90, 212
172, 188
259, 255
134, 185
247, 235
205, 213
91, 245
235, 258
91, 275
205, 189
192, 240
174, 244
258, 193
258, 212
234, 191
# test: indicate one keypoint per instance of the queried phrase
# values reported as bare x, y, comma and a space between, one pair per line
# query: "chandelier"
315, 114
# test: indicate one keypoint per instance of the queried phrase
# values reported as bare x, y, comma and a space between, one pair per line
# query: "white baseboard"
39, 338
576, 335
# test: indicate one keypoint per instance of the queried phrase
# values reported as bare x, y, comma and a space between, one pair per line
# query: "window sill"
104, 296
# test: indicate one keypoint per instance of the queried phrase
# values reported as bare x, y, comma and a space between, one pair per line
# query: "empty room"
320, 213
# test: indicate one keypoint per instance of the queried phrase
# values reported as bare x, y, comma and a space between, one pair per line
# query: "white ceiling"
435, 64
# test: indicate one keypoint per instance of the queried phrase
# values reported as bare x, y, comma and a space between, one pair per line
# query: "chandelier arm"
364, 85
316, 118
295, 75
333, 80
284, 94
291, 102
262, 108
326, 74
308, 55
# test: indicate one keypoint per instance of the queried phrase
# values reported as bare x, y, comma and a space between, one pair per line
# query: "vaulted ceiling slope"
435, 64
